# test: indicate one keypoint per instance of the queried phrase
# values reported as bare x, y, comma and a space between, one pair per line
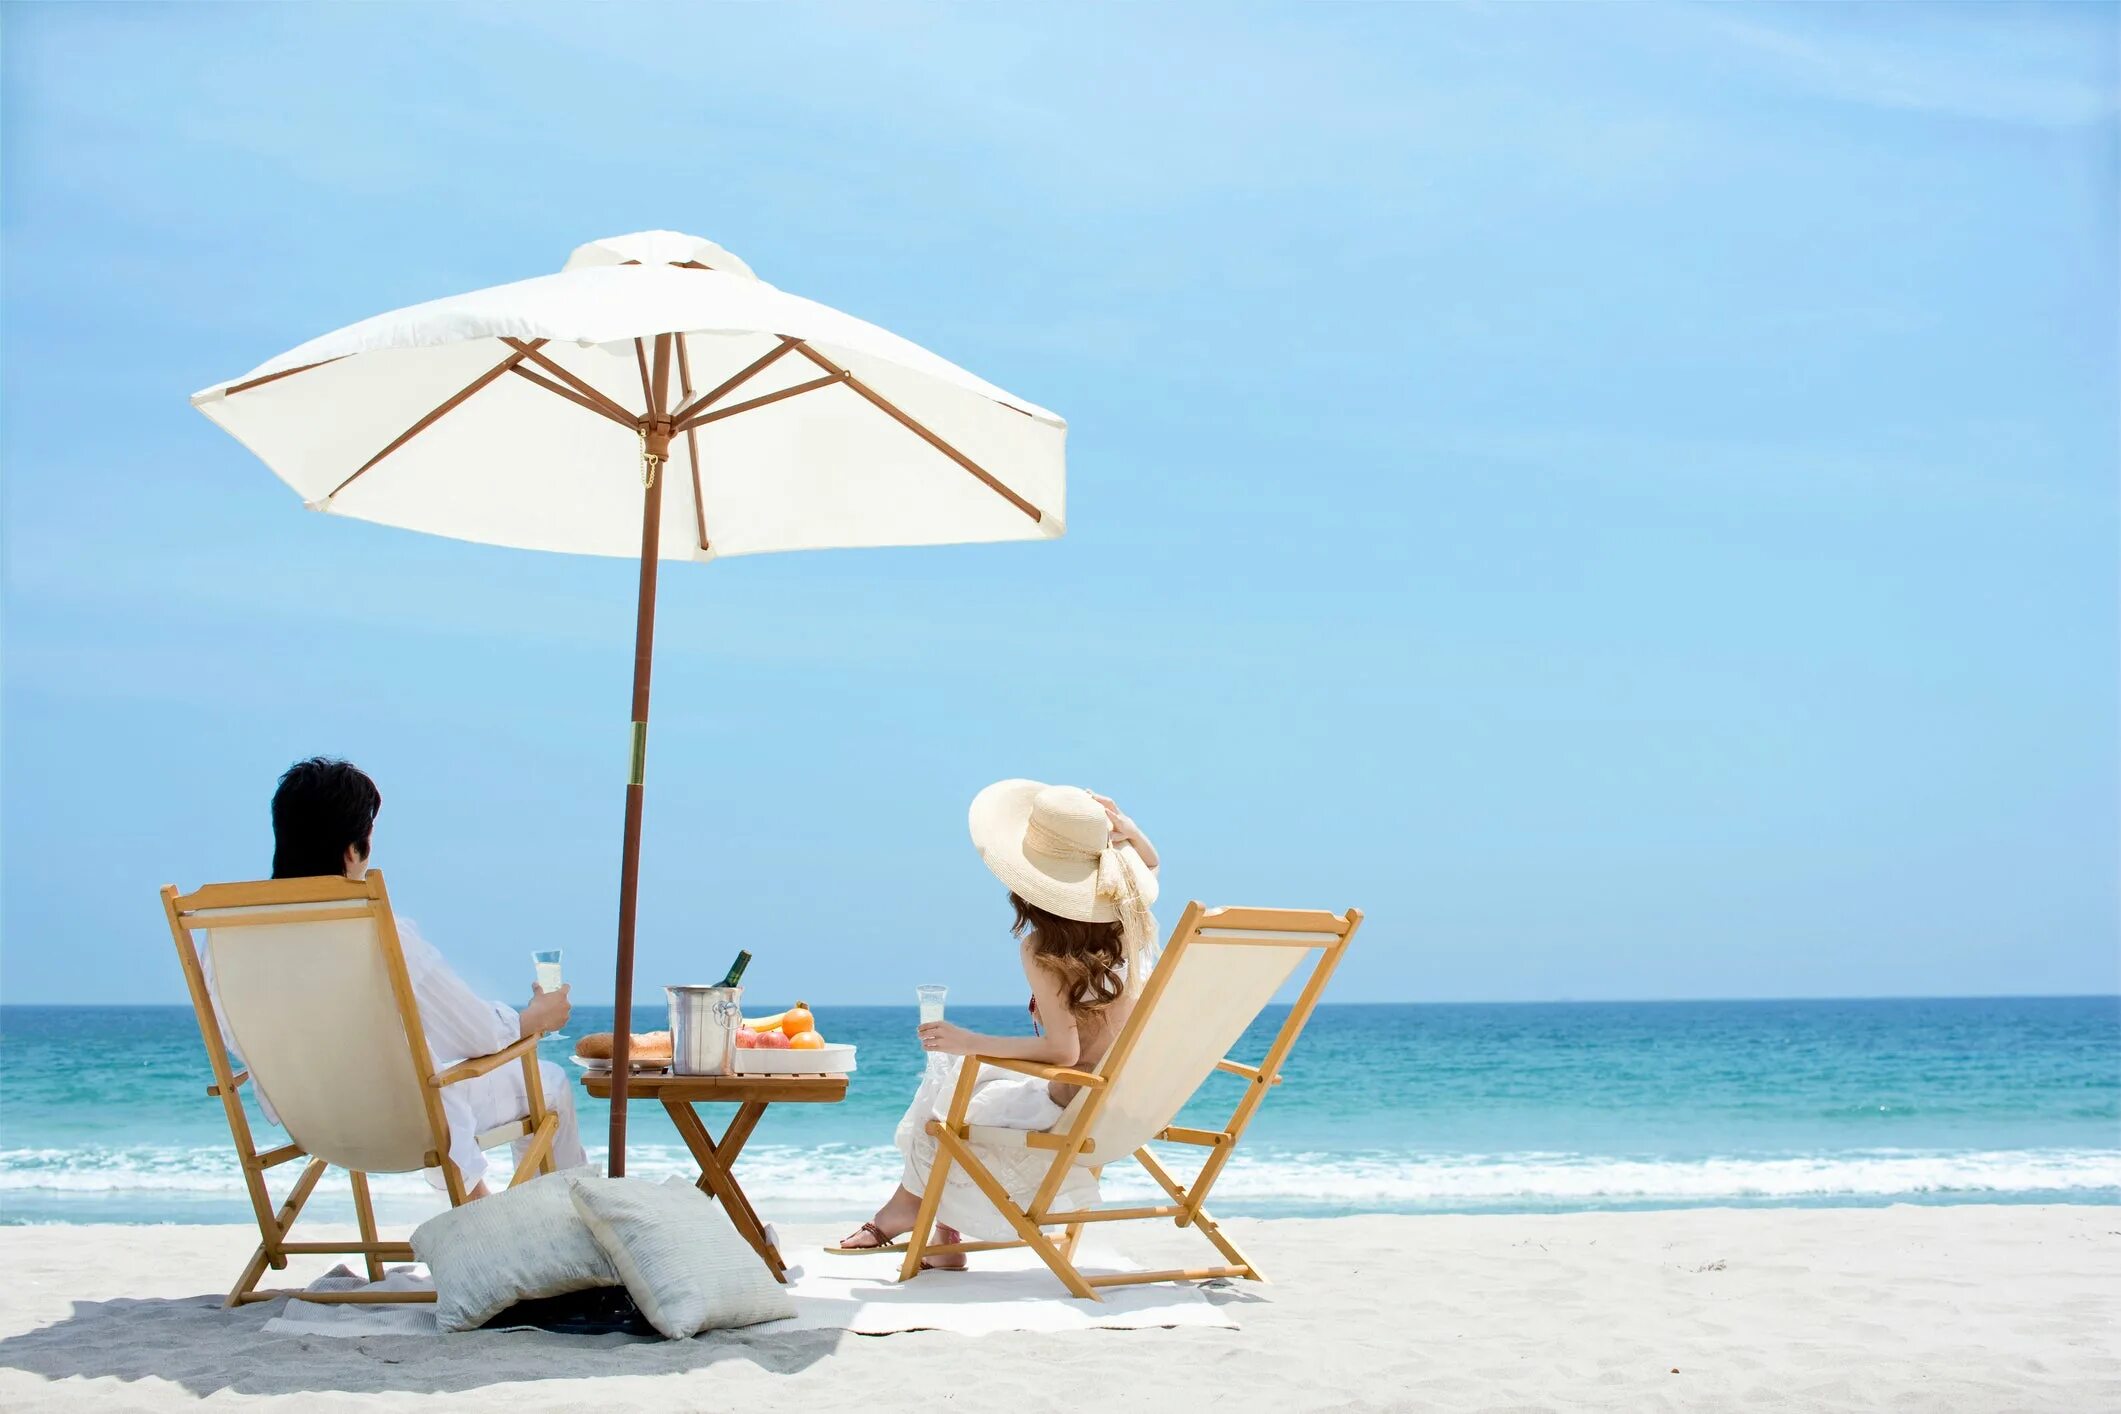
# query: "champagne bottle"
736, 970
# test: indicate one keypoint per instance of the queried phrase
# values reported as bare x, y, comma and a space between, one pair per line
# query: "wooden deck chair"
1222, 969
313, 986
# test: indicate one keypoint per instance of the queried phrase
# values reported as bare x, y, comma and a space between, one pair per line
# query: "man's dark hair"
321, 807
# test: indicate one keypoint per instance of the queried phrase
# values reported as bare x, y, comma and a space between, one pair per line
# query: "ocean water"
1416, 1109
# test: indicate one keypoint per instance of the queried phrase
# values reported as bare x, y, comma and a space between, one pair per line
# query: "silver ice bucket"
703, 1025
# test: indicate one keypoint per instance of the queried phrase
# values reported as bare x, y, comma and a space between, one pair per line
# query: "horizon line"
1470, 1001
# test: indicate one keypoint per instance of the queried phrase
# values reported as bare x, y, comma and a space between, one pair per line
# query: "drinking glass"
548, 965
931, 1000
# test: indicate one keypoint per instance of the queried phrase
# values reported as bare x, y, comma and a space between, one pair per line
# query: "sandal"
882, 1244
947, 1262
945, 1236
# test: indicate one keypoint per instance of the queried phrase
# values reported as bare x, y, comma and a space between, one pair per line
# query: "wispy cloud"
2012, 64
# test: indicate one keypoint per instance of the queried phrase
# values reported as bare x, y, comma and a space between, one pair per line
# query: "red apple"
746, 1039
771, 1041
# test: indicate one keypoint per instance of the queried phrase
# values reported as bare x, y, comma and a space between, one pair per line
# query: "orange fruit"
806, 1041
797, 1019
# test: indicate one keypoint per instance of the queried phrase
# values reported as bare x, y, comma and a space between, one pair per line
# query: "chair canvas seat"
1222, 970
503, 1134
281, 951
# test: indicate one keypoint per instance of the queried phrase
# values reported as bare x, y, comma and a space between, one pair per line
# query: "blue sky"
1625, 495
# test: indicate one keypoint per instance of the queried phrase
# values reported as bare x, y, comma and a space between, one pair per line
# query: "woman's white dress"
1008, 1101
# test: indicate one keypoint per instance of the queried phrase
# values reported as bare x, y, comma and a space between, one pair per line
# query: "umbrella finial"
659, 248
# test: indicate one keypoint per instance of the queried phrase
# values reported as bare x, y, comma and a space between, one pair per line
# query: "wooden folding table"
717, 1157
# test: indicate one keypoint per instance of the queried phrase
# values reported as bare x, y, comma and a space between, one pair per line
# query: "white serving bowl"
832, 1060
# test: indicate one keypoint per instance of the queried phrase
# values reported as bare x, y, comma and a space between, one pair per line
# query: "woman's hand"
1125, 831
946, 1037
1123, 828
546, 1011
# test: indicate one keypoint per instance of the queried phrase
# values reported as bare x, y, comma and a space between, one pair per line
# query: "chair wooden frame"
280, 901
1329, 933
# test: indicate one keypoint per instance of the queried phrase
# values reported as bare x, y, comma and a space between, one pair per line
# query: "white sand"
1960, 1309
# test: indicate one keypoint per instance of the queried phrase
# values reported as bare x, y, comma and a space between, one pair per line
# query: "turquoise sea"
1419, 1108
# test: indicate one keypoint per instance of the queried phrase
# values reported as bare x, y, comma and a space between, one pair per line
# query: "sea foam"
835, 1177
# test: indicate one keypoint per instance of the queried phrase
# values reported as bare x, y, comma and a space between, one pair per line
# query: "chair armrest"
482, 1065
1249, 1072
235, 1084
1064, 1074
1206, 1138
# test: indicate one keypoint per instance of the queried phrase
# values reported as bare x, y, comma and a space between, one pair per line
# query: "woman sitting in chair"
323, 816
1081, 878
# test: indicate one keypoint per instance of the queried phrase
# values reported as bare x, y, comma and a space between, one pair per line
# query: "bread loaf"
647, 1046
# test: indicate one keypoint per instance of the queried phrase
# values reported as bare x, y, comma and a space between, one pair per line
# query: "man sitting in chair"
322, 817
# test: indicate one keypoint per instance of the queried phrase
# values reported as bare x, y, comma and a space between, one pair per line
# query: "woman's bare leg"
895, 1219
945, 1236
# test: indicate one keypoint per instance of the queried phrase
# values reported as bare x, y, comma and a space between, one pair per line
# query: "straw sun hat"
1052, 845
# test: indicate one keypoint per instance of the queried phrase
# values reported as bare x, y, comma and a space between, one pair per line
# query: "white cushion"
522, 1242
680, 1257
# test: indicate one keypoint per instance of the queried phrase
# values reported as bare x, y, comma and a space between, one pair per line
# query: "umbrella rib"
692, 443
660, 398
612, 409
702, 419
428, 421
248, 384
568, 393
693, 405
640, 354
910, 424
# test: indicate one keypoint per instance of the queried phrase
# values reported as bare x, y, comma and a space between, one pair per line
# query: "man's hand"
947, 1037
547, 1011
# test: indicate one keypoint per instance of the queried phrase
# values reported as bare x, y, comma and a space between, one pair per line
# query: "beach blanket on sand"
1004, 1291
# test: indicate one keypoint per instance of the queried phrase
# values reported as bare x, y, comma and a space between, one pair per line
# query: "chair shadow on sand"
197, 1343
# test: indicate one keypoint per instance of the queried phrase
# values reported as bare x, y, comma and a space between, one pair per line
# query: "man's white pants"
491, 1100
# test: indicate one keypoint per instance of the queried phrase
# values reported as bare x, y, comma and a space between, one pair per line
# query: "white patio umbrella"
654, 398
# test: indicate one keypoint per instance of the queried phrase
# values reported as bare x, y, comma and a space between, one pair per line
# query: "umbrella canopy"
653, 398
454, 418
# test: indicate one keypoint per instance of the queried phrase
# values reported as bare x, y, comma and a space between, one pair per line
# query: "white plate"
831, 1060
601, 1065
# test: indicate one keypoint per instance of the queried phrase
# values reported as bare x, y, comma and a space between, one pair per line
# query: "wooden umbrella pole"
655, 455
630, 860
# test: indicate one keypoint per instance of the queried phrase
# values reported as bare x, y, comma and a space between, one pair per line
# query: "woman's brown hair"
1088, 957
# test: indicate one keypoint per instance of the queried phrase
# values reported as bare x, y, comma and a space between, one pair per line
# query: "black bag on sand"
606, 1310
